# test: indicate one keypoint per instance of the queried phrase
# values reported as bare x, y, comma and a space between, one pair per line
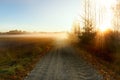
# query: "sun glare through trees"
33, 30
106, 13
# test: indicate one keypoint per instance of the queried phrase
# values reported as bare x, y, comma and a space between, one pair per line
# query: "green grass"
19, 55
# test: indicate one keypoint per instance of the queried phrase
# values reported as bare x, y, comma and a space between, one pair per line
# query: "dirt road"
63, 64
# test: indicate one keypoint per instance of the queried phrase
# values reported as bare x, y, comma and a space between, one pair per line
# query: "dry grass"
19, 55
110, 71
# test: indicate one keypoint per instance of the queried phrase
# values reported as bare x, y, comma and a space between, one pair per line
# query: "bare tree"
76, 28
116, 19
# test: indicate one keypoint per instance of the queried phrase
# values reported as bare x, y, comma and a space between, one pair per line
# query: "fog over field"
35, 35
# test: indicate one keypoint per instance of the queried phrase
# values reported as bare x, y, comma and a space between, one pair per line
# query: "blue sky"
38, 15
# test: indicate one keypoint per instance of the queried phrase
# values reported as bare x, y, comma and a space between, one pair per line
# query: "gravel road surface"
62, 63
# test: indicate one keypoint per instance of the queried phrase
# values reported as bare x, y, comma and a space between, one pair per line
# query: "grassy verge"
110, 71
18, 56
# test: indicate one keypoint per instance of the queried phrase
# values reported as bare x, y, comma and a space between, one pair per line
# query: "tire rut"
63, 64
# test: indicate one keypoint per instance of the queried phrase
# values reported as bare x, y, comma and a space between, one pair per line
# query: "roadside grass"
18, 56
110, 71
116, 64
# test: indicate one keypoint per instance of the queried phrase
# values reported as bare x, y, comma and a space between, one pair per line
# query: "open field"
18, 55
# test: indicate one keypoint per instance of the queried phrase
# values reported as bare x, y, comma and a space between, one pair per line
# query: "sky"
38, 15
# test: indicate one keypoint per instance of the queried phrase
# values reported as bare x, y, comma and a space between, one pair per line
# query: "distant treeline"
14, 32
25, 32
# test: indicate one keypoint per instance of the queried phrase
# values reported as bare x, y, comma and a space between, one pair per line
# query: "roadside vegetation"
101, 48
19, 55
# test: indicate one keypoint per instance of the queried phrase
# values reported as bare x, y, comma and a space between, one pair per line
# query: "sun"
106, 14
107, 22
104, 27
